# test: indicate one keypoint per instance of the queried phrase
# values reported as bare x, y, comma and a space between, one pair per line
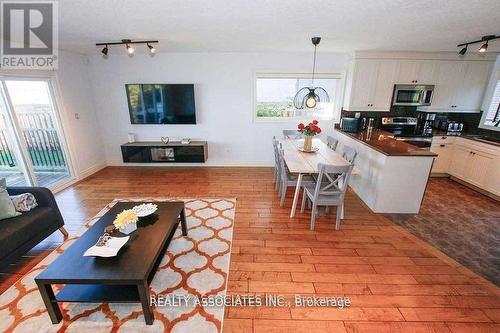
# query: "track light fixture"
129, 45
152, 49
484, 46
130, 49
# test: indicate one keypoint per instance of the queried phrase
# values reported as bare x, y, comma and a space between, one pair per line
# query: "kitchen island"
393, 175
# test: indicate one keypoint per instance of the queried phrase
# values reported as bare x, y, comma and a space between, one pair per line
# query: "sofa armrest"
43, 196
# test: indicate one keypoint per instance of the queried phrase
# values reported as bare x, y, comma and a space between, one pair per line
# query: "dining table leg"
296, 195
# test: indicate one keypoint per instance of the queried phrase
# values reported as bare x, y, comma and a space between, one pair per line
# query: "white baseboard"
206, 164
90, 171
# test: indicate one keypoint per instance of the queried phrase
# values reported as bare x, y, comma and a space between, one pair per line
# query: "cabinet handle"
442, 145
443, 137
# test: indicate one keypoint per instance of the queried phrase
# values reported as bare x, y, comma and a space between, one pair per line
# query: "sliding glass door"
32, 149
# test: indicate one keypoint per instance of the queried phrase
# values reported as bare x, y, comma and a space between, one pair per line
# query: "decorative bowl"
145, 209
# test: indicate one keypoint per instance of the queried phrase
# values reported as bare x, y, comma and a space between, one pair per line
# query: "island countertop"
385, 143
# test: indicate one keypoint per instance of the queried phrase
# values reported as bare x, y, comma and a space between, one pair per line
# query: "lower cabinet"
472, 162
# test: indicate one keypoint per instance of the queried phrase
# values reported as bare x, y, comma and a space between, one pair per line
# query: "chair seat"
328, 199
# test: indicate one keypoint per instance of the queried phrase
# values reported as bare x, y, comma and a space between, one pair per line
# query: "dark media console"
159, 152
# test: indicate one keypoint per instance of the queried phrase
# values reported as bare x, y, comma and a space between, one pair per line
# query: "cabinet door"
460, 162
469, 94
426, 72
448, 77
480, 165
442, 161
384, 85
407, 71
364, 77
493, 177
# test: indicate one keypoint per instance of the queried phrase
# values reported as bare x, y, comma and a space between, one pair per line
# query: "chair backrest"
332, 179
332, 142
292, 134
282, 165
275, 150
349, 154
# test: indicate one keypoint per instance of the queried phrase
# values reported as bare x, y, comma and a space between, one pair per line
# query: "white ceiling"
279, 25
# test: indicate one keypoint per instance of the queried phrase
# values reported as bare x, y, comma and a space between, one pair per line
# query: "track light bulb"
105, 51
463, 51
483, 47
152, 49
130, 49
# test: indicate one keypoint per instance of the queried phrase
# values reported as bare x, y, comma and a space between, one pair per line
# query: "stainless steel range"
405, 129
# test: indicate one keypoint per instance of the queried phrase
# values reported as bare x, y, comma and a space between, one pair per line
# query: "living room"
250, 167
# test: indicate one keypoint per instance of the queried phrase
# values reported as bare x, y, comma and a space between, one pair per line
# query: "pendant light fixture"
309, 97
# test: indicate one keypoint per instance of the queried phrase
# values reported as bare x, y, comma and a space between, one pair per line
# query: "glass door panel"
13, 172
35, 114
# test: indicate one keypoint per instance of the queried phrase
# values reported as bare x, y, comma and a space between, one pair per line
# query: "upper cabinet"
459, 84
371, 85
416, 71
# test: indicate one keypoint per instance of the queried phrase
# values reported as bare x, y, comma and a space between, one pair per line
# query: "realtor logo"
29, 35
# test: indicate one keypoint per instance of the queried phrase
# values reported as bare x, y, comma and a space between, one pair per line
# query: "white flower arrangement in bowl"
126, 221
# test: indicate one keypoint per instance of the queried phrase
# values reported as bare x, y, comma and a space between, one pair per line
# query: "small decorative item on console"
309, 131
165, 139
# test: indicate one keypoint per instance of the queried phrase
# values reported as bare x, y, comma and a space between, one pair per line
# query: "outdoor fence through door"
30, 135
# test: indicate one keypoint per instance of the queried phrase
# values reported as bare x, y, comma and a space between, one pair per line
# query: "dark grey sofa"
21, 233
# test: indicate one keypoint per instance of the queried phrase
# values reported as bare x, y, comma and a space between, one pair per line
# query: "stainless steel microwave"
413, 95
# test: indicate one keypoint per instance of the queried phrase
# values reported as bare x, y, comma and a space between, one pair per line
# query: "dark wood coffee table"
121, 279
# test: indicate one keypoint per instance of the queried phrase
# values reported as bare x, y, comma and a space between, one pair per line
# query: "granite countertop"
473, 137
385, 143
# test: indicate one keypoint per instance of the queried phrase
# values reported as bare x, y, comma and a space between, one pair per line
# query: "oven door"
407, 96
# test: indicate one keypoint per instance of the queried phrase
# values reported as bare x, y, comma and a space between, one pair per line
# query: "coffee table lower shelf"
95, 293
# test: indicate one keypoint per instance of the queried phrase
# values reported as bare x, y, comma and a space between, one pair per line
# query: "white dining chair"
277, 168
288, 179
349, 154
292, 134
328, 190
332, 142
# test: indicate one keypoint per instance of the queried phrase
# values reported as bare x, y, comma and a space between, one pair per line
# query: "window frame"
337, 103
488, 100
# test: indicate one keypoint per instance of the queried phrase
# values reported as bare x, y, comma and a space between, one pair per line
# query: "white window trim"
337, 106
489, 98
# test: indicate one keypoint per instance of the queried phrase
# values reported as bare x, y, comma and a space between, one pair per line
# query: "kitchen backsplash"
470, 120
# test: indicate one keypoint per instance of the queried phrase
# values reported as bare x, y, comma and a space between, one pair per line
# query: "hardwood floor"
395, 281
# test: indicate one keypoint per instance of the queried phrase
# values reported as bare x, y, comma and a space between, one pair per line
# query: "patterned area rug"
196, 265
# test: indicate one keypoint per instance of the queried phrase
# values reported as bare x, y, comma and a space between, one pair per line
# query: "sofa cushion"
7, 209
16, 231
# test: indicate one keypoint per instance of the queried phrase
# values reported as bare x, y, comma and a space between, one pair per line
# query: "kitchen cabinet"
416, 72
442, 162
459, 86
372, 85
470, 161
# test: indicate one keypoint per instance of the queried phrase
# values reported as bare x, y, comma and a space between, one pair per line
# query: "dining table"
303, 163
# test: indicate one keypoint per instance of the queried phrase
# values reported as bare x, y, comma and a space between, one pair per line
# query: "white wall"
82, 135
224, 99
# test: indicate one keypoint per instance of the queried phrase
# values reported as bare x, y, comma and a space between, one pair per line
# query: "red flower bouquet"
311, 129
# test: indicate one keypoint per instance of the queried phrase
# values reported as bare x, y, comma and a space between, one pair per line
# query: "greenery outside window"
274, 95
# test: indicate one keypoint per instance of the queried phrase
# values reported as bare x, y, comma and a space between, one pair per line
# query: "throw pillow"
7, 209
24, 202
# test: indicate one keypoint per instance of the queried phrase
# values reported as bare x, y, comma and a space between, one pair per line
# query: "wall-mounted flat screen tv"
161, 103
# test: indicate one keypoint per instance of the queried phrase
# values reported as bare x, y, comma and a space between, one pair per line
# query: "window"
493, 113
274, 96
